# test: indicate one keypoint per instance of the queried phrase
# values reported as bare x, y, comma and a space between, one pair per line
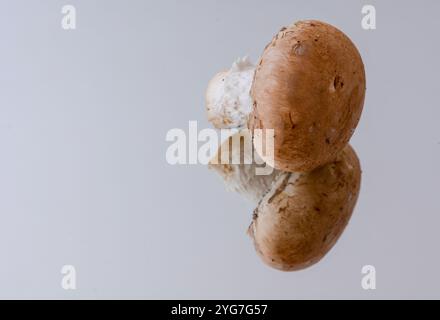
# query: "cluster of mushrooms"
309, 87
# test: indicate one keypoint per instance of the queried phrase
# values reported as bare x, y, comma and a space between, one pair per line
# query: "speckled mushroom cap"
304, 214
309, 86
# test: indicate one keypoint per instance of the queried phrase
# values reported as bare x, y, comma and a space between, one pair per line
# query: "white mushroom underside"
228, 99
242, 178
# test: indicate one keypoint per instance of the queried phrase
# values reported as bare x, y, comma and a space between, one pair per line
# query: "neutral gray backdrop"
83, 176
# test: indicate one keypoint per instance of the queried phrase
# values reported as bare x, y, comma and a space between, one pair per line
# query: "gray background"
83, 176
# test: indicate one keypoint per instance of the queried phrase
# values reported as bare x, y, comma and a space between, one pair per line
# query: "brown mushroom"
309, 86
300, 219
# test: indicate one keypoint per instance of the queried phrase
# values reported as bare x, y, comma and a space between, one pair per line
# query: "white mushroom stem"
236, 164
228, 101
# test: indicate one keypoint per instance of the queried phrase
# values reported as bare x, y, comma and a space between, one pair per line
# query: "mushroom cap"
304, 214
309, 86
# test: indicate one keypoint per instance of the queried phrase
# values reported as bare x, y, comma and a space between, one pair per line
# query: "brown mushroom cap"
309, 87
304, 214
